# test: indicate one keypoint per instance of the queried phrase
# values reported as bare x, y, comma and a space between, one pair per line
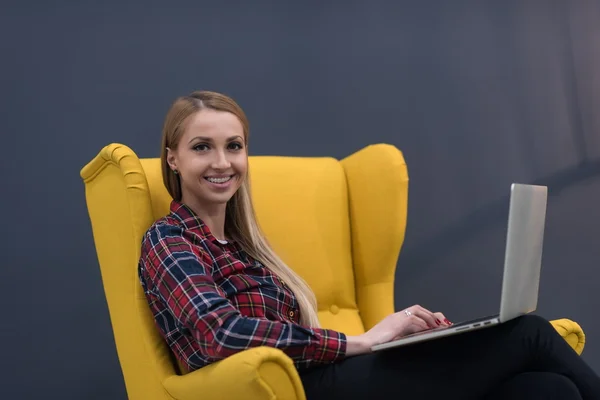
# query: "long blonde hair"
240, 218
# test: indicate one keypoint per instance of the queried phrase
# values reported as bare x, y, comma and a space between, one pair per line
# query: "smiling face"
210, 159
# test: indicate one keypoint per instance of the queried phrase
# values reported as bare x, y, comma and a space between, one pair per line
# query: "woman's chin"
217, 198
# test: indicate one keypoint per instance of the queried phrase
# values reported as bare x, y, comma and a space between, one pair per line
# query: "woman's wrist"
356, 345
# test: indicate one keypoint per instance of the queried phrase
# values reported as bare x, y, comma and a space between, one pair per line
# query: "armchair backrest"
339, 224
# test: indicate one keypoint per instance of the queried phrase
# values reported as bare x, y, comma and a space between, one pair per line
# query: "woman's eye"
200, 147
235, 146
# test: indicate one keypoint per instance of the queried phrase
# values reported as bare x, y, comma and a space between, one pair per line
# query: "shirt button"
291, 313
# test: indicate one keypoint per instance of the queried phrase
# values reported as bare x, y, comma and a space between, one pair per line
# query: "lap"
463, 366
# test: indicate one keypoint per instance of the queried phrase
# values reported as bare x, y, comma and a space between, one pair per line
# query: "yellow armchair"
340, 224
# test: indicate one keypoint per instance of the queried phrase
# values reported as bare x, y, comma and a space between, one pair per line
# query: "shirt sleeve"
184, 281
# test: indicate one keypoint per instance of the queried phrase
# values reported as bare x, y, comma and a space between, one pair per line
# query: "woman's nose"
221, 161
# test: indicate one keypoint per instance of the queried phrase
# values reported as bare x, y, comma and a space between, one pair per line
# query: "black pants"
522, 359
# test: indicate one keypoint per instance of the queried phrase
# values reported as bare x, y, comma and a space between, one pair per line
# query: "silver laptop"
522, 265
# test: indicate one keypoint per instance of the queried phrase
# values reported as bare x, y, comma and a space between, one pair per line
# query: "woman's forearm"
356, 345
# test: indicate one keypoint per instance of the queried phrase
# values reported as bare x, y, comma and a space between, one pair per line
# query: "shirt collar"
191, 221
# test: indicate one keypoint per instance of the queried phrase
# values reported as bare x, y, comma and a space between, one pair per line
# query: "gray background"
477, 94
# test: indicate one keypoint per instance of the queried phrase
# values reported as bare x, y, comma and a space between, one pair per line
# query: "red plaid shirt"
211, 300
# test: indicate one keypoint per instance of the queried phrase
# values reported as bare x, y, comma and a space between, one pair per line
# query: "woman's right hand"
408, 321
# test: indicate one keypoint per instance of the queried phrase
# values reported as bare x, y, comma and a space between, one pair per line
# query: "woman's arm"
356, 345
184, 281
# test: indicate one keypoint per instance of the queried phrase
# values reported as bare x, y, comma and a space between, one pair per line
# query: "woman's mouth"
219, 181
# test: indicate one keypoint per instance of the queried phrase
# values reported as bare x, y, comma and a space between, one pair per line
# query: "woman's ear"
171, 159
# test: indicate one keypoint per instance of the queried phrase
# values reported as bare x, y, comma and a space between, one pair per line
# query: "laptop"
522, 265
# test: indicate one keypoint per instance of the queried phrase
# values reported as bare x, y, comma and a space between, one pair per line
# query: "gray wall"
477, 95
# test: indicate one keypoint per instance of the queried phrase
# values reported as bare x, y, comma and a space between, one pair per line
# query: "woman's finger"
426, 315
441, 317
416, 324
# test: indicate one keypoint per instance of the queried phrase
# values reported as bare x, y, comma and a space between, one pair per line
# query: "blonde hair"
240, 219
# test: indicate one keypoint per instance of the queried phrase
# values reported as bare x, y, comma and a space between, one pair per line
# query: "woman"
216, 287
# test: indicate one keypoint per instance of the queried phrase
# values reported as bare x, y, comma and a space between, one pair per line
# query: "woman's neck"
213, 216
216, 224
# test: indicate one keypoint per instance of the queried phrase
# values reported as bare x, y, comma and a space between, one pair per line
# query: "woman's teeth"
218, 180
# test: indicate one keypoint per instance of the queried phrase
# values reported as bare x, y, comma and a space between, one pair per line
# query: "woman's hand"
410, 320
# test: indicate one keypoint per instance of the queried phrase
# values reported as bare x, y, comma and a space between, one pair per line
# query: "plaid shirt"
211, 300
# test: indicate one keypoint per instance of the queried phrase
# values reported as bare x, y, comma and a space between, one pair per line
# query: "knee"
536, 325
537, 385
563, 388
534, 321
554, 386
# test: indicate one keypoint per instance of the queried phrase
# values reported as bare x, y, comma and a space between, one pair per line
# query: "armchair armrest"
254, 374
571, 332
